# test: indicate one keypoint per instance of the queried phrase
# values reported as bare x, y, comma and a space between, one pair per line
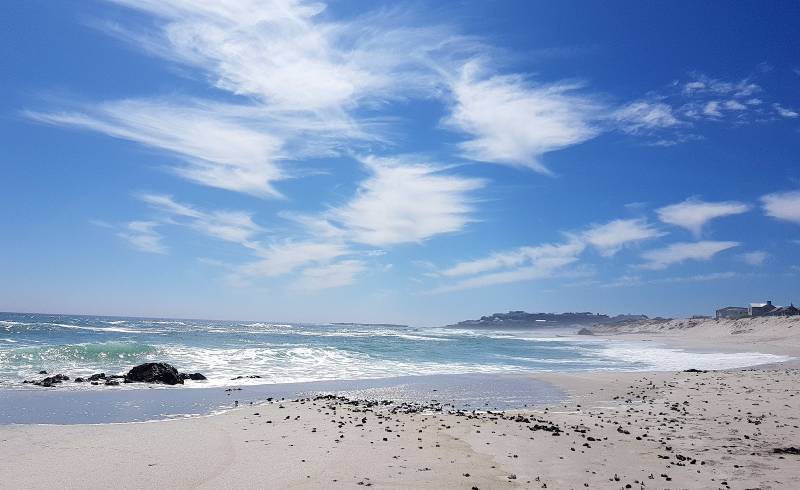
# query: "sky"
419, 163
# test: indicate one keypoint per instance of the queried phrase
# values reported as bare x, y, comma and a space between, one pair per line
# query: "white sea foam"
669, 359
302, 364
99, 329
12, 323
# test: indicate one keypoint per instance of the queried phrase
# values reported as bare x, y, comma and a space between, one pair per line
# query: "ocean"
279, 353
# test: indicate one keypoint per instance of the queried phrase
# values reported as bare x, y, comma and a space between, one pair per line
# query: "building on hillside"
760, 309
731, 313
790, 310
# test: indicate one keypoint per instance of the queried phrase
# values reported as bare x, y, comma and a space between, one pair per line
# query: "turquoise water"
290, 353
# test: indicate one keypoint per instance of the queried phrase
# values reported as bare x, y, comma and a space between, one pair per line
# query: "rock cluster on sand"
149, 372
49, 381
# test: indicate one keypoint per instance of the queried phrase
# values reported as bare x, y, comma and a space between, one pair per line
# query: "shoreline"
717, 429
733, 428
496, 391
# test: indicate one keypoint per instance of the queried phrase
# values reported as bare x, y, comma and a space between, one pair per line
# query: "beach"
734, 428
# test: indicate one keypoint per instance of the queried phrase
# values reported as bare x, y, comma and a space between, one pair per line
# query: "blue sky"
419, 163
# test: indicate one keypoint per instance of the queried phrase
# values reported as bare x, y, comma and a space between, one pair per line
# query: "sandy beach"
716, 429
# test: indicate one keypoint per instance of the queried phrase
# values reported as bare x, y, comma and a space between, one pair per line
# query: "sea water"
275, 353
249, 362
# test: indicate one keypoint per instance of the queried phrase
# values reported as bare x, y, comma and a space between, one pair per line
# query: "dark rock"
42, 372
50, 381
79, 380
787, 450
193, 376
97, 377
154, 372
695, 371
585, 331
112, 382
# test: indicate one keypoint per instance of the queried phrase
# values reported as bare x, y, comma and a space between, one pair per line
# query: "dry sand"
773, 335
716, 429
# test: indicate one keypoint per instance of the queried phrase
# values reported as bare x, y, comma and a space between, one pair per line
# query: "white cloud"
536, 262
232, 226
677, 253
703, 84
642, 115
505, 277
783, 206
712, 109
288, 54
329, 276
609, 238
404, 202
542, 257
515, 122
284, 257
693, 214
297, 77
100, 223
142, 236
754, 258
712, 276
541, 262
627, 281
674, 115
217, 149
734, 105
784, 112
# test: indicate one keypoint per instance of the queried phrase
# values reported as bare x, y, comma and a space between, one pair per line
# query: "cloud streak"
142, 236
693, 214
232, 226
403, 201
515, 122
538, 262
783, 206
217, 147
609, 238
677, 253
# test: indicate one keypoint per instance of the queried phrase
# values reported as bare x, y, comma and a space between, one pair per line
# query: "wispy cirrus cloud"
754, 258
314, 259
627, 281
642, 116
538, 262
289, 54
296, 76
514, 121
283, 257
232, 226
142, 236
675, 114
677, 253
544, 256
215, 146
335, 275
693, 214
526, 263
405, 200
610, 237
783, 206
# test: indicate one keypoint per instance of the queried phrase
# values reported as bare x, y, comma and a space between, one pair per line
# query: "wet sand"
659, 430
